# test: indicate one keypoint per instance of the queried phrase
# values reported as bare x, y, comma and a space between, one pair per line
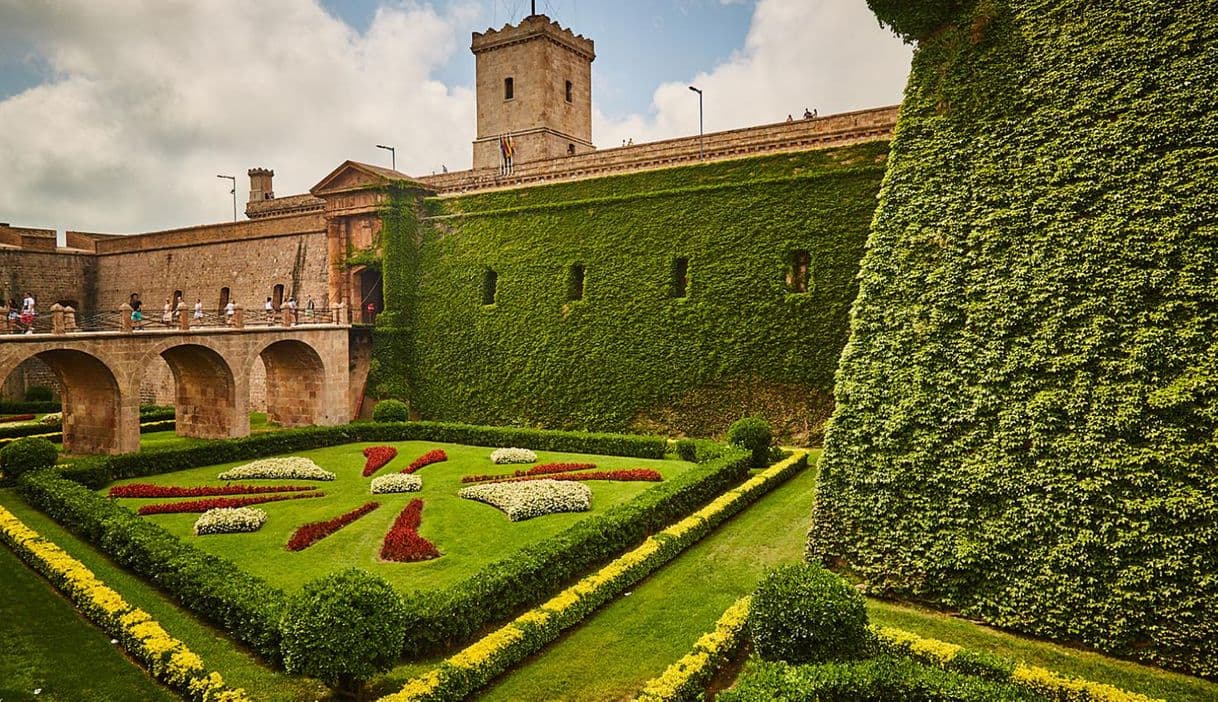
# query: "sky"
117, 115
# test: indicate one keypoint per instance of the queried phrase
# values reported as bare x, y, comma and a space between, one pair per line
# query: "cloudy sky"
116, 115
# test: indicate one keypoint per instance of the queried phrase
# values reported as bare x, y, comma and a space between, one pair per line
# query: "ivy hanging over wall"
630, 353
1028, 405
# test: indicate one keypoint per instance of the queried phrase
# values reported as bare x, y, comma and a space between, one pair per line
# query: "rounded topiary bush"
802, 613
343, 628
25, 455
390, 411
918, 19
752, 433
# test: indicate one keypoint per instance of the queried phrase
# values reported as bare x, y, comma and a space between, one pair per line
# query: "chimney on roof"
260, 184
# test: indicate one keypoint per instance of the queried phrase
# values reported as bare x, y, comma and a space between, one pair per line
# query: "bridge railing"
64, 320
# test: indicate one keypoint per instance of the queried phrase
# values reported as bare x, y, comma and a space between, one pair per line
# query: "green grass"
159, 440
48, 646
633, 639
469, 534
239, 667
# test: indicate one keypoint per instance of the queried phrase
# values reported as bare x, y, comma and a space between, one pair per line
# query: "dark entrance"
371, 295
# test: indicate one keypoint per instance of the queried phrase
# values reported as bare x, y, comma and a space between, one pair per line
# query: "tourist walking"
270, 311
229, 310
292, 310
137, 313
198, 315
13, 314
27, 313
309, 307
167, 313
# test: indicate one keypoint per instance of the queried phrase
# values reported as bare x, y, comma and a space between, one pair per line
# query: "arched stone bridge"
100, 373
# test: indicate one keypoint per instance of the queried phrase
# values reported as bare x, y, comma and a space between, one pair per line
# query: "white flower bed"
396, 482
532, 498
286, 468
513, 455
52, 419
229, 520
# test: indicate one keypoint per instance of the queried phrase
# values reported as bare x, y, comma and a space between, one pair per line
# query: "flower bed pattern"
520, 501
150, 490
469, 670
214, 502
433, 456
544, 469
16, 418
166, 658
402, 543
687, 678
309, 534
281, 468
377, 457
396, 482
229, 520
513, 455
630, 475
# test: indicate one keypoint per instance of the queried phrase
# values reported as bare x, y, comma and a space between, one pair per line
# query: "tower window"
798, 273
569, 90
575, 282
680, 277
490, 285
509, 89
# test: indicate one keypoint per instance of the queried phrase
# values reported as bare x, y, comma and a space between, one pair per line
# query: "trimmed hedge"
245, 606
20, 407
1028, 405
54, 431
630, 355
802, 613
98, 471
25, 455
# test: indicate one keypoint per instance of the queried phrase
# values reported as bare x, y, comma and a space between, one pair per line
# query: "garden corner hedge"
630, 353
1027, 408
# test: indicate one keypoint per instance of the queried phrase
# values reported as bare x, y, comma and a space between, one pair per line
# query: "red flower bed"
212, 503
309, 534
543, 469
16, 418
377, 457
149, 490
433, 456
403, 543
631, 475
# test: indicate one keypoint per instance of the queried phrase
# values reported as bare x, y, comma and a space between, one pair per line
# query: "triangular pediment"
353, 175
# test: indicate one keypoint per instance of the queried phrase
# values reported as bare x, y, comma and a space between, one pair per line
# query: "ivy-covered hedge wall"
1028, 405
629, 355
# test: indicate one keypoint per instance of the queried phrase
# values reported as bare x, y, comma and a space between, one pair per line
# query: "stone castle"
533, 89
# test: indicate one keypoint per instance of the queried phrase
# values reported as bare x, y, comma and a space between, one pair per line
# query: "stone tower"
534, 81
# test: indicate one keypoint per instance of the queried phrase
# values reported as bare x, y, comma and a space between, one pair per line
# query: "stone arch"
210, 400
98, 417
295, 383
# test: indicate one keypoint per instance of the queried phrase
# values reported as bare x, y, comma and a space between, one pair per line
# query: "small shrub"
343, 628
38, 393
391, 411
687, 450
802, 613
28, 454
752, 433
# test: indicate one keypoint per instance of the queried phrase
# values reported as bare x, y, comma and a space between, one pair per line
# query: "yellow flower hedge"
470, 669
1039, 680
687, 678
168, 659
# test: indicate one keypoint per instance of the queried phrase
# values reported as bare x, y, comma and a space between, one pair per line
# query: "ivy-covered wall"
1027, 409
629, 355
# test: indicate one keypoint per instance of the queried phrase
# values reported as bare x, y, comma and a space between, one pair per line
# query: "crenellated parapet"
535, 26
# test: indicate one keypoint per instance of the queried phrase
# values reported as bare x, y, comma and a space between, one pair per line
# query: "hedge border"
21, 407
687, 678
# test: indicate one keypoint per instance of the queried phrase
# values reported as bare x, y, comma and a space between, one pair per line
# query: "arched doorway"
371, 295
207, 403
295, 381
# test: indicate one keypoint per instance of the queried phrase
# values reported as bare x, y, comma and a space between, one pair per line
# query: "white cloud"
153, 98
827, 55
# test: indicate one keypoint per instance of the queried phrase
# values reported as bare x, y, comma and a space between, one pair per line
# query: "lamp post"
701, 153
393, 155
233, 192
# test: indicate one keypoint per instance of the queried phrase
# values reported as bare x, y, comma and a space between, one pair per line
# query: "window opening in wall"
569, 91
277, 296
575, 282
509, 89
490, 284
570, 149
680, 277
177, 297
798, 273
223, 299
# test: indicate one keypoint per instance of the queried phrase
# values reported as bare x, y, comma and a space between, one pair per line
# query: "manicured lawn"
220, 653
168, 439
49, 647
469, 534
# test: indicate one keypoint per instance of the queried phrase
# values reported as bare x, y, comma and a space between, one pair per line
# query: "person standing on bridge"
229, 310
12, 314
198, 315
137, 314
167, 314
309, 307
27, 313
270, 311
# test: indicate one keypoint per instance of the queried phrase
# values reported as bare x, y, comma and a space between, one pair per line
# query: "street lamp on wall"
233, 192
701, 152
393, 155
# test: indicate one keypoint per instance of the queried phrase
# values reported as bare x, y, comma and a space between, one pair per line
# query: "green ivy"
1028, 404
629, 355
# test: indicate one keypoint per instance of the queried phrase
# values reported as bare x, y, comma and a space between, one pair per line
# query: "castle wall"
51, 276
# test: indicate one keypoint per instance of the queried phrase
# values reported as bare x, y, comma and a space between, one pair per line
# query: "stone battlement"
798, 135
533, 27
